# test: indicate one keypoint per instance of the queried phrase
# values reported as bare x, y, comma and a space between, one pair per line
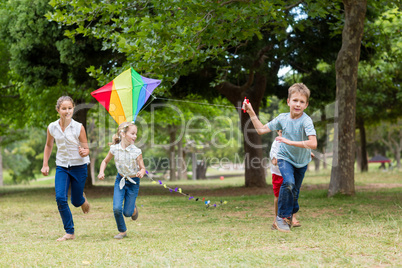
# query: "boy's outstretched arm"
259, 127
311, 143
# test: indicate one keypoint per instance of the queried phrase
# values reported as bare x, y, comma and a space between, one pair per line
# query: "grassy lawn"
171, 231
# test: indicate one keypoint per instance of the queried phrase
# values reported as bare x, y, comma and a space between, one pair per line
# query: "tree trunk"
194, 165
181, 162
94, 155
254, 89
363, 145
324, 158
184, 166
172, 152
201, 170
342, 173
254, 168
393, 144
316, 164
358, 157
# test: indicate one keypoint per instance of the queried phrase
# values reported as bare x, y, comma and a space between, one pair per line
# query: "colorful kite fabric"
124, 97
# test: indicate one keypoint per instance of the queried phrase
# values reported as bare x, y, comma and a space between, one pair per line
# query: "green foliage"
170, 39
4, 68
379, 95
45, 62
23, 158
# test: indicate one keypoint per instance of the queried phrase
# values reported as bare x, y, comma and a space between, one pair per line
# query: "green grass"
363, 230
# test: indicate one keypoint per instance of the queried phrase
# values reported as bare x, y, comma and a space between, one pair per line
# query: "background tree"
389, 135
47, 63
378, 86
235, 44
173, 122
342, 173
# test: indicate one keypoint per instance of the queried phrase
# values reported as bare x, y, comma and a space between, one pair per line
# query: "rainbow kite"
124, 97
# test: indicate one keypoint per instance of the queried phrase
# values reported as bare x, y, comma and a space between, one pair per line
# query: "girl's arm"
259, 127
46, 154
103, 165
140, 163
83, 149
311, 143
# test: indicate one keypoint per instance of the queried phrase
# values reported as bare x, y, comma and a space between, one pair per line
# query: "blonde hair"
123, 128
63, 99
300, 88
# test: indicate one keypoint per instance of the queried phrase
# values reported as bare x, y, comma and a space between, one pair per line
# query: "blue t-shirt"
295, 130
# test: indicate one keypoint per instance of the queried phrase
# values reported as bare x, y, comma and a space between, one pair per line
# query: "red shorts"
276, 183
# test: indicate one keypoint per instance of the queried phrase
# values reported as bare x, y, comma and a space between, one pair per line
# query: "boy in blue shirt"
298, 138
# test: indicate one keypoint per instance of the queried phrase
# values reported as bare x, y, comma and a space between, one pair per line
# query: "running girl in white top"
130, 167
71, 162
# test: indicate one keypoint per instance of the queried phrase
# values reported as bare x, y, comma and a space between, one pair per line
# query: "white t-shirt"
126, 159
67, 143
274, 154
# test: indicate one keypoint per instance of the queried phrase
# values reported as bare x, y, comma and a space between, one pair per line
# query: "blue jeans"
289, 192
76, 176
129, 195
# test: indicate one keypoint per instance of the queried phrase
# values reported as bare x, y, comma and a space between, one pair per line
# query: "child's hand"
274, 161
45, 170
101, 176
282, 139
140, 174
248, 108
82, 151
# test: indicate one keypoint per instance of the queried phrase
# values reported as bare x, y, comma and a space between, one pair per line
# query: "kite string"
199, 103
149, 102
177, 100
190, 197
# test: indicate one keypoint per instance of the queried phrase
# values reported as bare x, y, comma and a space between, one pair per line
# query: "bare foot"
135, 214
85, 207
296, 223
66, 237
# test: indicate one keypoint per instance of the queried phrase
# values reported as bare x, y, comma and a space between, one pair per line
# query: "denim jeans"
129, 195
76, 176
289, 192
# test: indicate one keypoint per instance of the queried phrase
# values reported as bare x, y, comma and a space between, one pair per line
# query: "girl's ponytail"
115, 139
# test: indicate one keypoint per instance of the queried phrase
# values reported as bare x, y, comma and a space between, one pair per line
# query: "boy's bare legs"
273, 227
276, 206
295, 222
